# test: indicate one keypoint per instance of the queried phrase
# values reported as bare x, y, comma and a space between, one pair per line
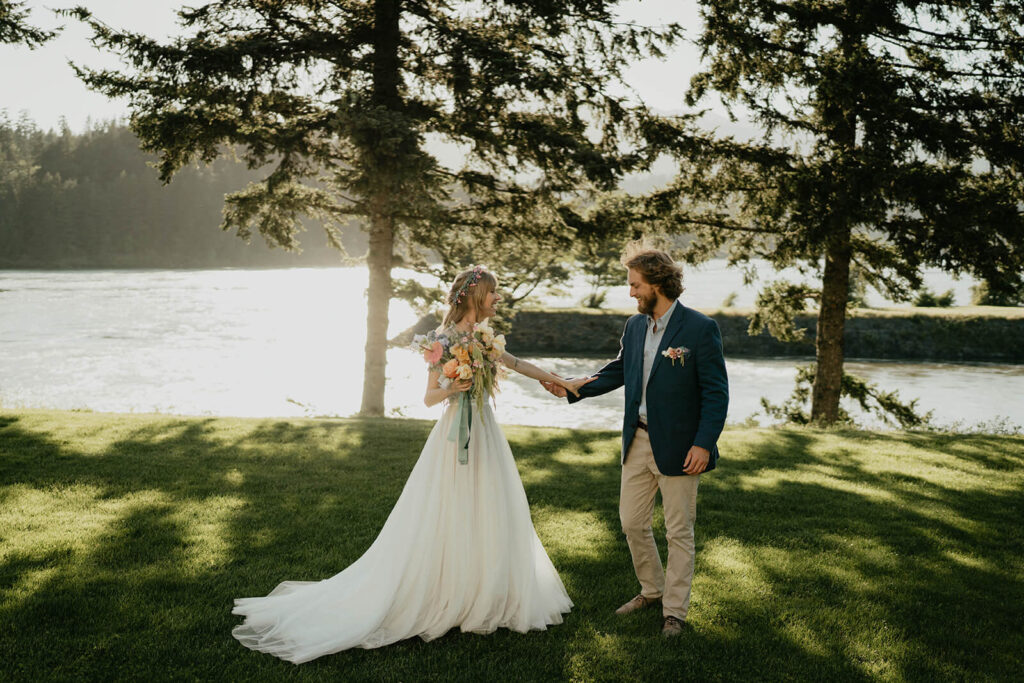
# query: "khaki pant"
640, 481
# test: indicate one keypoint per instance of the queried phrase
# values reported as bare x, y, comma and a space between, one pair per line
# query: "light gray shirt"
655, 331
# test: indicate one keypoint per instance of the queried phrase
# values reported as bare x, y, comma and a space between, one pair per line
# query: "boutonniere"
677, 353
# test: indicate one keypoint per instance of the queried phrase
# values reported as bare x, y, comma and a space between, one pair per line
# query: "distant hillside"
93, 200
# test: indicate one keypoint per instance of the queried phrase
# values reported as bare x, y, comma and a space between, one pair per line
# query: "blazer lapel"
675, 324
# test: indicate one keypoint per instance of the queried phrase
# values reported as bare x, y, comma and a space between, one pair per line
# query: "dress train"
458, 550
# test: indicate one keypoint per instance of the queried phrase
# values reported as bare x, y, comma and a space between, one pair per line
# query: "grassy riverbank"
821, 555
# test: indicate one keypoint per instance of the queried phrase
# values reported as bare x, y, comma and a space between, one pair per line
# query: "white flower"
444, 382
465, 372
499, 343
486, 333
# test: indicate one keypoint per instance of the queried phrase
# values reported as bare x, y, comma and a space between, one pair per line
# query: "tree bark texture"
386, 74
378, 299
840, 113
828, 377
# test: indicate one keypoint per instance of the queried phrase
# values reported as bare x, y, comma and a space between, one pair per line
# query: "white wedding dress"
458, 550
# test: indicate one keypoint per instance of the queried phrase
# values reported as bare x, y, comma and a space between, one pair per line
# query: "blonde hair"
468, 292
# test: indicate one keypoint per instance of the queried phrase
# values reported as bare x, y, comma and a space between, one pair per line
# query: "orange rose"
451, 368
461, 353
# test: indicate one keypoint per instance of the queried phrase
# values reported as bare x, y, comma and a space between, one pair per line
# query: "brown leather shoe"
671, 627
639, 602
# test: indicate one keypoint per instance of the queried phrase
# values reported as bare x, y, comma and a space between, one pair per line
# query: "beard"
646, 304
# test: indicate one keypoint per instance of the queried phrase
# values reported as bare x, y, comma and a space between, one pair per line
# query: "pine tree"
15, 29
347, 98
893, 140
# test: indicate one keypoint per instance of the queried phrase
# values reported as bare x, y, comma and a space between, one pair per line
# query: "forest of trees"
92, 200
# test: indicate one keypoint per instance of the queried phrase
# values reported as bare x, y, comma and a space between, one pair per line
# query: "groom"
670, 361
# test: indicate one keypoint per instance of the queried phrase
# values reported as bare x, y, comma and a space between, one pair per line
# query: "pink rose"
451, 368
434, 353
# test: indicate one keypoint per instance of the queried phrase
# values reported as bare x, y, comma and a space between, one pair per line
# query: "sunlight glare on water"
237, 342
290, 342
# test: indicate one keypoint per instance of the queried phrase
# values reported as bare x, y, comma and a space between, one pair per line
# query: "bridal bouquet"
474, 355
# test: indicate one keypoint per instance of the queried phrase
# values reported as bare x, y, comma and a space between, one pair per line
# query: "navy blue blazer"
686, 402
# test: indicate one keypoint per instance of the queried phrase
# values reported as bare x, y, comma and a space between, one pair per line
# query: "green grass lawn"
820, 555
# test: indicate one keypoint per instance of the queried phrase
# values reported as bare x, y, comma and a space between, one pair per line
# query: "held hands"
561, 387
574, 385
554, 389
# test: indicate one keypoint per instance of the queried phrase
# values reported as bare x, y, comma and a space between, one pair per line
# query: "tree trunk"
385, 162
378, 300
829, 338
841, 113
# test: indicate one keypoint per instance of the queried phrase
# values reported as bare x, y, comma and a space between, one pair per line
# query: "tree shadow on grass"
300, 501
294, 513
910, 574
841, 572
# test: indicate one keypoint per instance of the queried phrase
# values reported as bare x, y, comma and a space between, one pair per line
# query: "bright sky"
40, 82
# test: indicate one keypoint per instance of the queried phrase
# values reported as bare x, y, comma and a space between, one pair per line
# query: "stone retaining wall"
869, 334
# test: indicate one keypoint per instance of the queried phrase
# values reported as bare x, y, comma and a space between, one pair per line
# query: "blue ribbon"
459, 432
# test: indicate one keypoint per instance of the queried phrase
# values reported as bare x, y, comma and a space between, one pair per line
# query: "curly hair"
656, 267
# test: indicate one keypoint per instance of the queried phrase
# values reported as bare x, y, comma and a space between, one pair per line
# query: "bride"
458, 549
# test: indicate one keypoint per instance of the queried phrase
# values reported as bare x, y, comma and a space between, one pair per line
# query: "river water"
289, 342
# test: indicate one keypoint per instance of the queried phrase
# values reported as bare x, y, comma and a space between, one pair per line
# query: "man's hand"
554, 389
573, 385
696, 460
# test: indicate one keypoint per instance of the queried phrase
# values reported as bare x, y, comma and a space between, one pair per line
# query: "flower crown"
471, 281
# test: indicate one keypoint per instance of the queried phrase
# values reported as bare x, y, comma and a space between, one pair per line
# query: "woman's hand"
574, 385
459, 386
